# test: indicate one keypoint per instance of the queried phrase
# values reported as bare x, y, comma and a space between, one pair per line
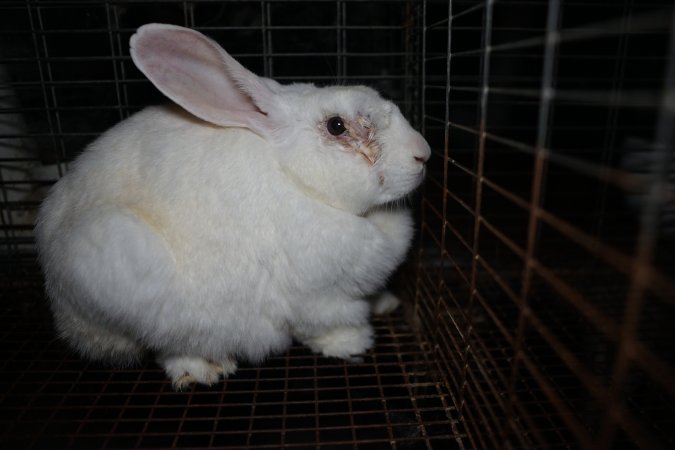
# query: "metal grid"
52, 399
546, 261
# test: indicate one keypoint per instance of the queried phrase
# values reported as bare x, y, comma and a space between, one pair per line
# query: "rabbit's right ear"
195, 72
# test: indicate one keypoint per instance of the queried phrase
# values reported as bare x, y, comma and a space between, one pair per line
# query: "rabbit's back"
165, 166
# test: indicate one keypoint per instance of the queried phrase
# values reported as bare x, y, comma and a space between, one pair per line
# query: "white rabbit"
264, 214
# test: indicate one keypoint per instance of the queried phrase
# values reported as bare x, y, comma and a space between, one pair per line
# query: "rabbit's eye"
336, 126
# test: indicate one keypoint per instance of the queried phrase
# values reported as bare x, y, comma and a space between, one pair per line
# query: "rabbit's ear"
195, 72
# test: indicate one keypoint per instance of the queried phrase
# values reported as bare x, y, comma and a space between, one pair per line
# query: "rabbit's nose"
421, 150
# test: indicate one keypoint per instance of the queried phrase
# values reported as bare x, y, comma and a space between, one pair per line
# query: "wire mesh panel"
298, 400
545, 273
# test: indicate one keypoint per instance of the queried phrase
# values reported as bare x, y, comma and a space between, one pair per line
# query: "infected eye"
336, 126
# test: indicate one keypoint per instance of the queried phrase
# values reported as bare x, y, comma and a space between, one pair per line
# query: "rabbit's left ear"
195, 72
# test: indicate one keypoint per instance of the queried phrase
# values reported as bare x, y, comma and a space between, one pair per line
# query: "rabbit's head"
343, 145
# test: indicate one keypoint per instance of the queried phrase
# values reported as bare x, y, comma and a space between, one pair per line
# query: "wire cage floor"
52, 399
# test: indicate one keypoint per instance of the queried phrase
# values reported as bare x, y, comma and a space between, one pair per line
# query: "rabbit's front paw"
395, 223
386, 303
343, 342
187, 370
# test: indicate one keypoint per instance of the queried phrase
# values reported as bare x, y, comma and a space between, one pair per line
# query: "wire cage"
539, 294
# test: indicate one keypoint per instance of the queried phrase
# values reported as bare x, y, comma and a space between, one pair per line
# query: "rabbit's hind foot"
187, 370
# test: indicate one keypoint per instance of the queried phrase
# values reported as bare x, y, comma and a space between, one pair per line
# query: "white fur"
173, 235
342, 342
385, 303
185, 370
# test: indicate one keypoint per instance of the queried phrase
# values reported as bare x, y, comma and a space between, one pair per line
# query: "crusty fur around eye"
359, 139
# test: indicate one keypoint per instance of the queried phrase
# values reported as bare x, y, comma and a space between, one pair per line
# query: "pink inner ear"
200, 76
